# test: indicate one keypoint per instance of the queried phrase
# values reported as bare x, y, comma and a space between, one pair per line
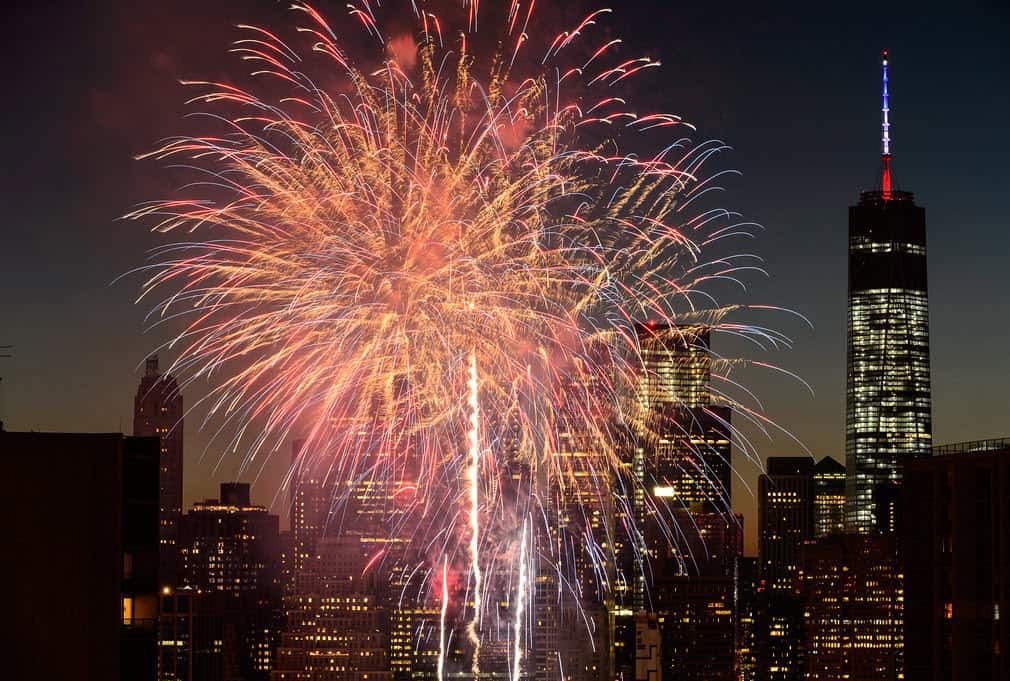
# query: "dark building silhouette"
887, 507
785, 521
158, 412
829, 497
851, 586
956, 545
888, 405
748, 591
197, 640
231, 548
697, 627
80, 522
711, 542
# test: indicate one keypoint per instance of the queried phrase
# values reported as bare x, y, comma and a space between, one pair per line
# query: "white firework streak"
473, 478
445, 607
520, 607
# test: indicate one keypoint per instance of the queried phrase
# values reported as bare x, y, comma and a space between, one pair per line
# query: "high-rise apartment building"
852, 592
696, 617
888, 406
829, 497
955, 540
335, 629
158, 412
231, 547
197, 636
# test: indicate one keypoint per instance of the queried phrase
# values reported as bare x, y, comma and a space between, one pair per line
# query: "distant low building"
853, 602
230, 547
335, 630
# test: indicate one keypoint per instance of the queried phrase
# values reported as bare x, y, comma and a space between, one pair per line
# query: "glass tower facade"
888, 407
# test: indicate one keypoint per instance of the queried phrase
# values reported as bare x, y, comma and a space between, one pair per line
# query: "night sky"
794, 90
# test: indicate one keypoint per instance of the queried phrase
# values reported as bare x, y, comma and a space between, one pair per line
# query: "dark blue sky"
793, 87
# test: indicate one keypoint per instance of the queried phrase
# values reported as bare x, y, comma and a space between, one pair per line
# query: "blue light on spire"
886, 139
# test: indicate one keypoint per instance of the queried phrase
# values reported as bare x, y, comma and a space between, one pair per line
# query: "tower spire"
885, 138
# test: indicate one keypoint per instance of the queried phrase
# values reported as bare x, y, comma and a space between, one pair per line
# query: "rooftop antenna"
885, 138
5, 353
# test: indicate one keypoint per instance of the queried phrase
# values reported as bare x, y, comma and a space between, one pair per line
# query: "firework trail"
473, 483
517, 652
443, 609
435, 258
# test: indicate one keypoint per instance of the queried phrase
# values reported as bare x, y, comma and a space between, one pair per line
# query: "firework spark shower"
428, 257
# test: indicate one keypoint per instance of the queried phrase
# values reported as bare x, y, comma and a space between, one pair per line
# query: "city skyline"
447, 340
706, 85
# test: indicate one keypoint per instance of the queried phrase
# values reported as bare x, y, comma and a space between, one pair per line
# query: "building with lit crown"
829, 497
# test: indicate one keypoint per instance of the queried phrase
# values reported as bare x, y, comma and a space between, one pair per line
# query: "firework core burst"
429, 259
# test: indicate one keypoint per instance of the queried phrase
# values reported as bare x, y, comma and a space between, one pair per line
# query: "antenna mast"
5, 353
885, 138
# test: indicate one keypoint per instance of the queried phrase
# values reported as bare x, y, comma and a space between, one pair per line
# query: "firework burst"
432, 267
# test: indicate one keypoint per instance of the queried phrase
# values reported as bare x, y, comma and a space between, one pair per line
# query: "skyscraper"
697, 627
683, 444
888, 408
785, 517
310, 504
747, 592
683, 505
829, 497
158, 412
785, 521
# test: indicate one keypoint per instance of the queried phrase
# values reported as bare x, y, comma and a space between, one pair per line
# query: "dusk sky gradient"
793, 87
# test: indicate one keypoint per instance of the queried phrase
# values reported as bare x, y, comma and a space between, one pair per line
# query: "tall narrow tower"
157, 412
888, 407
